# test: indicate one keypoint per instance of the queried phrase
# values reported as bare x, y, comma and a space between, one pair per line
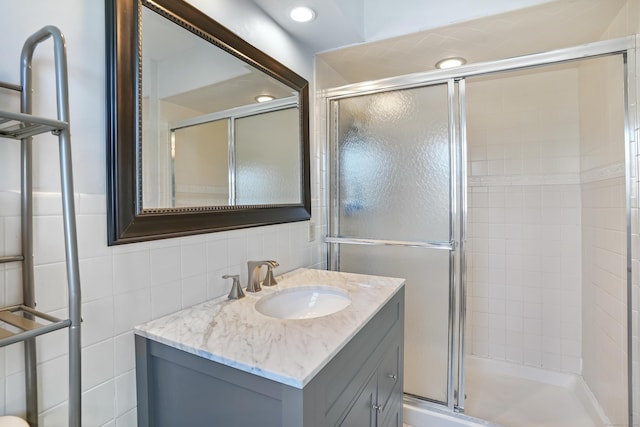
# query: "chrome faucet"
253, 277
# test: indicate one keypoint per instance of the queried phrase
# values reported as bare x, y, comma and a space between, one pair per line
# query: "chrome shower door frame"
453, 245
629, 48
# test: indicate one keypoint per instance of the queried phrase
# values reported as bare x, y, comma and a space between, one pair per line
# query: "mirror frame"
127, 222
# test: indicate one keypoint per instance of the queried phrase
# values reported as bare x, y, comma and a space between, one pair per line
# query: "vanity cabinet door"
391, 415
363, 413
393, 420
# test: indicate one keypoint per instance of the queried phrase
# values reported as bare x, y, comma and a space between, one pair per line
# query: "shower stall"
503, 192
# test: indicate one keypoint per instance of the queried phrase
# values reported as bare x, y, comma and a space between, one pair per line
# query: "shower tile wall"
526, 274
547, 224
524, 242
604, 235
628, 22
604, 292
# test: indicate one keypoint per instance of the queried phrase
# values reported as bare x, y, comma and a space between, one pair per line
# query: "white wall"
125, 285
390, 19
524, 219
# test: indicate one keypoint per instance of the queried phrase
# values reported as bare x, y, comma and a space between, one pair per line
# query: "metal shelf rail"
22, 323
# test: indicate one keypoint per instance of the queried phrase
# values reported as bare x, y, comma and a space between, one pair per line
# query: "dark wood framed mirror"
149, 44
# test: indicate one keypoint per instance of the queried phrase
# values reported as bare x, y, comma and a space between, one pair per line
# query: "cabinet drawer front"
389, 373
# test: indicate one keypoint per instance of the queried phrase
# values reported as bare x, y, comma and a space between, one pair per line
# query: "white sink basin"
303, 302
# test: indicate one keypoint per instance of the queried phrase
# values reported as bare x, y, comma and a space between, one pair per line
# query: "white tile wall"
628, 22
524, 219
604, 251
548, 230
605, 295
524, 274
123, 286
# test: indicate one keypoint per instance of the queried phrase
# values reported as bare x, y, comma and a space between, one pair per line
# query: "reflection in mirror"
255, 164
206, 141
200, 163
267, 168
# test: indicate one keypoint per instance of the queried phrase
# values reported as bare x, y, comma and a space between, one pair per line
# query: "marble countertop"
292, 352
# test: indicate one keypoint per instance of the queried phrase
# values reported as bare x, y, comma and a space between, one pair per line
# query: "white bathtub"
484, 375
417, 416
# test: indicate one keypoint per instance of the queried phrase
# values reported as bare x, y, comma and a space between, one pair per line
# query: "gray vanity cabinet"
361, 386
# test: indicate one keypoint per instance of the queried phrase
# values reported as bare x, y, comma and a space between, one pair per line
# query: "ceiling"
338, 22
348, 36
341, 23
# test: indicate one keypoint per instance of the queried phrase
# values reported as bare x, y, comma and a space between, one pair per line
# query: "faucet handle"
269, 280
236, 289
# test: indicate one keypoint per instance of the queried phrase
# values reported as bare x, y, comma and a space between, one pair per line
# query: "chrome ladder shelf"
19, 125
22, 322
29, 323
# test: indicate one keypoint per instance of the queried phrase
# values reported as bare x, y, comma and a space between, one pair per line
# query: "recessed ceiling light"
450, 63
264, 98
302, 14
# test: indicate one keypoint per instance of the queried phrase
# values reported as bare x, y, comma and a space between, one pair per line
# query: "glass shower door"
393, 209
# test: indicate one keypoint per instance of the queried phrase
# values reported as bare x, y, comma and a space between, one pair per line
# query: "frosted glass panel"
391, 181
268, 158
426, 309
393, 164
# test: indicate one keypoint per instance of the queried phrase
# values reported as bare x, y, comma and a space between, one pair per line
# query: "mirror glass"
190, 147
206, 140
